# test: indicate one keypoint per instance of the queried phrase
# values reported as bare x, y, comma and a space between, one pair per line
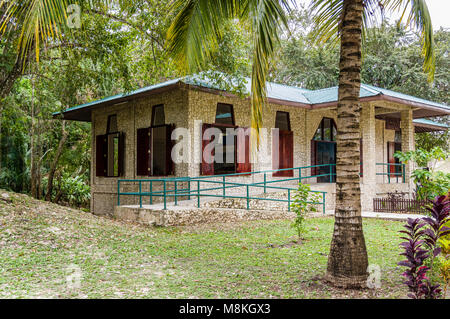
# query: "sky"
439, 11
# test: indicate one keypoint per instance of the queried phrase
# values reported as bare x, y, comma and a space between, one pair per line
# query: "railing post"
223, 185
389, 172
265, 183
175, 189
299, 175
118, 192
289, 200
140, 194
198, 193
165, 199
189, 188
151, 192
323, 202
248, 203
331, 172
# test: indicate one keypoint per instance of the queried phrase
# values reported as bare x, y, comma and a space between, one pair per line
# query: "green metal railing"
183, 186
391, 175
220, 182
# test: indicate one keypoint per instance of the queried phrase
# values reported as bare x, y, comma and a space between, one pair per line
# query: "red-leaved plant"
422, 235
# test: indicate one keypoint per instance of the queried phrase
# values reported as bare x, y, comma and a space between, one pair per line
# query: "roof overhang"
83, 113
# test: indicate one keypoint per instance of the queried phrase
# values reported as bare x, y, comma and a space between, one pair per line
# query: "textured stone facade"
189, 108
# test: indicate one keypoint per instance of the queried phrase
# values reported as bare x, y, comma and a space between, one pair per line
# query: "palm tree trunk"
347, 261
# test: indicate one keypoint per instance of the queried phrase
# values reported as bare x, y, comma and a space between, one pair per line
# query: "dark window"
158, 117
225, 152
398, 136
323, 151
153, 149
110, 150
113, 155
112, 124
224, 114
282, 121
326, 130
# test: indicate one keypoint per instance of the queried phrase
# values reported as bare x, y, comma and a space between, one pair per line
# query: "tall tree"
348, 20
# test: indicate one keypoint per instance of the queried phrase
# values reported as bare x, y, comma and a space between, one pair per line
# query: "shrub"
429, 183
421, 246
304, 201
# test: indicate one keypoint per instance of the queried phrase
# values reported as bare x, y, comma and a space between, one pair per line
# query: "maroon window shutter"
313, 158
101, 147
170, 165
288, 152
206, 168
143, 151
285, 148
121, 159
243, 150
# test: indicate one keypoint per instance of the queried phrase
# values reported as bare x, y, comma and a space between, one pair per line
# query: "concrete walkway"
389, 216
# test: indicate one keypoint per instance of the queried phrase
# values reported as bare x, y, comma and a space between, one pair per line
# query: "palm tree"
347, 261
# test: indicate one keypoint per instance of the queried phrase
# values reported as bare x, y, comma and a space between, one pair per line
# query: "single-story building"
132, 137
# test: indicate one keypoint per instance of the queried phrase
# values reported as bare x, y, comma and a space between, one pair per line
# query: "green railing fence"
192, 187
399, 171
189, 187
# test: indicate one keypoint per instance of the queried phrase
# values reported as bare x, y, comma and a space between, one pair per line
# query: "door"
326, 154
283, 153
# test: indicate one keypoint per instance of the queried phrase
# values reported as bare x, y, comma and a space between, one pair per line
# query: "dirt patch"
289, 244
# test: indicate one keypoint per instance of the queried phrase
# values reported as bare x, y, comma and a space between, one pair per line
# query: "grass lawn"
38, 241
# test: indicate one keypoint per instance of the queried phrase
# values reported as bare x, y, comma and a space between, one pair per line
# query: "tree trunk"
51, 174
33, 159
347, 261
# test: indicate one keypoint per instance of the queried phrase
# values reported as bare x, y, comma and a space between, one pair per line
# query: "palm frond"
196, 30
195, 33
419, 18
267, 17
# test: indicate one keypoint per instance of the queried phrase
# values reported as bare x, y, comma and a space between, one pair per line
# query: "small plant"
421, 246
304, 201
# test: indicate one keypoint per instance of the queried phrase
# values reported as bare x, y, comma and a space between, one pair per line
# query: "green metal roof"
275, 91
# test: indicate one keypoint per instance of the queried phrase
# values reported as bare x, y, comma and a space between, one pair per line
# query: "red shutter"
313, 157
121, 159
205, 167
170, 165
101, 148
143, 151
285, 152
243, 150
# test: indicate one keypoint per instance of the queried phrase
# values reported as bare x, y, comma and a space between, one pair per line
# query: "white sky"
439, 11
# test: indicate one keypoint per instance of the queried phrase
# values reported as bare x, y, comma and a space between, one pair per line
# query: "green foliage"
304, 201
72, 190
429, 182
